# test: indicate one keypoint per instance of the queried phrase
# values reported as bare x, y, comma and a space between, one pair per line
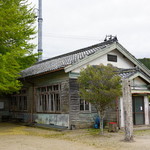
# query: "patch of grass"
96, 132
13, 129
142, 132
93, 131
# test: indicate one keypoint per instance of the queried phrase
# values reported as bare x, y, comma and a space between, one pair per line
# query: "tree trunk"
101, 123
128, 117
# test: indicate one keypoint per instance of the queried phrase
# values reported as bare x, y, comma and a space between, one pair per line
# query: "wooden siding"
65, 96
84, 119
79, 119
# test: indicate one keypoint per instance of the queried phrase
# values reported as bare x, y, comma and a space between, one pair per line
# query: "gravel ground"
17, 137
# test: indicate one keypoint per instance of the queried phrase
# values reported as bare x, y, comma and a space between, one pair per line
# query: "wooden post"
127, 104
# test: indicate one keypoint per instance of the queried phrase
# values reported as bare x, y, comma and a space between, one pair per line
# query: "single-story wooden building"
50, 93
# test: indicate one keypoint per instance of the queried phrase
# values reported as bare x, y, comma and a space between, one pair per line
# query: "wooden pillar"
146, 108
127, 104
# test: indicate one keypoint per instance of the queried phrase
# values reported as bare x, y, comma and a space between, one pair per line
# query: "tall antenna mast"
40, 20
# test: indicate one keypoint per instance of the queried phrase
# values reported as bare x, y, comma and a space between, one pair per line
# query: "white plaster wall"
122, 62
146, 108
138, 83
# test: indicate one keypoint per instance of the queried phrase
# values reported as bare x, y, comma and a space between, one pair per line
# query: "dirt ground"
18, 137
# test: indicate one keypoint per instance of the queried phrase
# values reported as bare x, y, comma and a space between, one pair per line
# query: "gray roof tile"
64, 60
126, 73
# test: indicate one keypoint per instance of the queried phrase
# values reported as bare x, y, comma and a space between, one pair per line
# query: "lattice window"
19, 101
48, 98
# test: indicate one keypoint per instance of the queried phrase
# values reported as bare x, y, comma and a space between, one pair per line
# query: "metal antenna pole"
40, 20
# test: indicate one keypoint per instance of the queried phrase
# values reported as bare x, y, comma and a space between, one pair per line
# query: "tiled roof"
126, 73
64, 60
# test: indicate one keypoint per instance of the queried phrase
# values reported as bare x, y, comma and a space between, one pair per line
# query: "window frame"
19, 102
112, 58
84, 105
51, 100
2, 105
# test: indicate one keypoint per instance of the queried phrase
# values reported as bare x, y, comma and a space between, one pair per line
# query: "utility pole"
40, 20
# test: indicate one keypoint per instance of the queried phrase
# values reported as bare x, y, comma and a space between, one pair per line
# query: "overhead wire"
71, 37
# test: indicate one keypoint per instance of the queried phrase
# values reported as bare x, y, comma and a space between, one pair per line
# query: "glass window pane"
84, 105
49, 88
43, 89
81, 107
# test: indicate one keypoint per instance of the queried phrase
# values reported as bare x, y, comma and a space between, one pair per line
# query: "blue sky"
73, 24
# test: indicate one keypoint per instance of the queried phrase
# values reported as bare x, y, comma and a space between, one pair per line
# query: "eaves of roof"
43, 73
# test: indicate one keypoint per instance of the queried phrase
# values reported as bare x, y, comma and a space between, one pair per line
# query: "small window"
112, 58
43, 89
84, 105
57, 99
38, 90
49, 88
1, 105
23, 91
55, 87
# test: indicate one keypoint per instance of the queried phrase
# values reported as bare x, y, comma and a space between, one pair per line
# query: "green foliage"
146, 62
100, 85
16, 30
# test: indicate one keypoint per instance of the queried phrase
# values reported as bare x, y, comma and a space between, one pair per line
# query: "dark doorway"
138, 110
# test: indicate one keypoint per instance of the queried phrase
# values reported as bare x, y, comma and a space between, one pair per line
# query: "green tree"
145, 61
17, 29
100, 86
